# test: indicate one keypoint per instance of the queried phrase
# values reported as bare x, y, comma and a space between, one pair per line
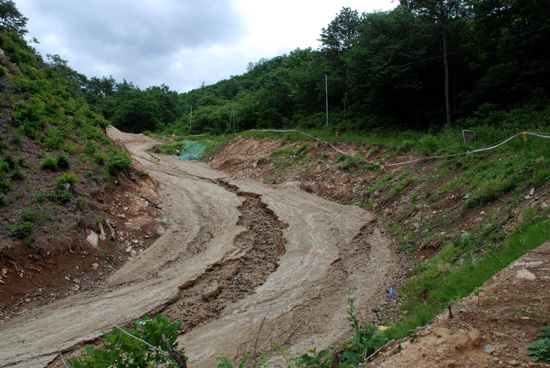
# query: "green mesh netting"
191, 151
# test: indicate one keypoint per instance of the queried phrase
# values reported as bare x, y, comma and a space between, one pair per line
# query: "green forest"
425, 65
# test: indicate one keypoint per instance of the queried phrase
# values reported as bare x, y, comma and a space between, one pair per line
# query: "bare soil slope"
490, 331
235, 251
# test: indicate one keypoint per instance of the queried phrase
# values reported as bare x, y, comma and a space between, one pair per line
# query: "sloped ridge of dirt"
259, 249
486, 331
71, 258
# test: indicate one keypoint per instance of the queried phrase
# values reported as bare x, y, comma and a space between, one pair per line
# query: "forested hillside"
423, 65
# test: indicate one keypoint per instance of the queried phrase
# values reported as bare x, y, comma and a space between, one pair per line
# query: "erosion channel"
236, 251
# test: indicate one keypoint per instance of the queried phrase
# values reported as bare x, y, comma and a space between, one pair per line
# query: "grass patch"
454, 273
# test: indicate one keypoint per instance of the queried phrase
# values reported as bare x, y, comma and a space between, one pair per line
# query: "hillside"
447, 230
65, 188
278, 234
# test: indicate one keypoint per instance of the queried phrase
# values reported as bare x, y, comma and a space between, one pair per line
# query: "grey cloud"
139, 34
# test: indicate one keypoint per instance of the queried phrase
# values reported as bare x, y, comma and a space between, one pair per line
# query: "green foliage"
16, 139
4, 199
49, 163
284, 151
4, 167
118, 162
10, 18
17, 175
100, 158
22, 229
66, 178
540, 349
63, 162
121, 350
458, 270
350, 162
28, 215
225, 363
5, 185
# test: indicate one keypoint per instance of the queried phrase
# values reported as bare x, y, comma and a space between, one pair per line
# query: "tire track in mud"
259, 249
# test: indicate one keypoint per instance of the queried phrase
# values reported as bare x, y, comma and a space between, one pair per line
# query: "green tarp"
191, 151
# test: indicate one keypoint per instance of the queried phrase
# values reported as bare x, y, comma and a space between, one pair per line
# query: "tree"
11, 18
387, 82
137, 113
336, 40
443, 11
341, 31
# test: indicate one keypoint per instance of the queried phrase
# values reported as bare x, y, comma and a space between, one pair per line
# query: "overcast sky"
179, 43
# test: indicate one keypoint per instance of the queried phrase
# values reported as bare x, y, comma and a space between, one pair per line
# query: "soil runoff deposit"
236, 252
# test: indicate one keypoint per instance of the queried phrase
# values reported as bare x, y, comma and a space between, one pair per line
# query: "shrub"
49, 163
16, 139
5, 185
4, 166
68, 178
63, 196
63, 162
12, 163
121, 350
100, 158
90, 147
17, 175
118, 163
3, 200
22, 229
28, 216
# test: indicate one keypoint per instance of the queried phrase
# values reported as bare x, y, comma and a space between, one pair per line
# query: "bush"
63, 196
49, 163
118, 163
63, 162
22, 229
100, 158
66, 178
4, 166
17, 175
121, 350
3, 200
5, 185
12, 163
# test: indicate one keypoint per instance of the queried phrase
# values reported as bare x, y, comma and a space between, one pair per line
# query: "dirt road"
236, 251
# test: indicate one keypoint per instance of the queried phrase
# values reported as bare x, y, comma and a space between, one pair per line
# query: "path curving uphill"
236, 252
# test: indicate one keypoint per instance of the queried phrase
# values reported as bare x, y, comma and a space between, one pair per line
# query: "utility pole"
326, 94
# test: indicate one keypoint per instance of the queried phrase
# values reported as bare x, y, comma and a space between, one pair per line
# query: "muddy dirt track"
236, 251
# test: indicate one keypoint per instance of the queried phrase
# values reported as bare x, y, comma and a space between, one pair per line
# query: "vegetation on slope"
381, 75
54, 159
